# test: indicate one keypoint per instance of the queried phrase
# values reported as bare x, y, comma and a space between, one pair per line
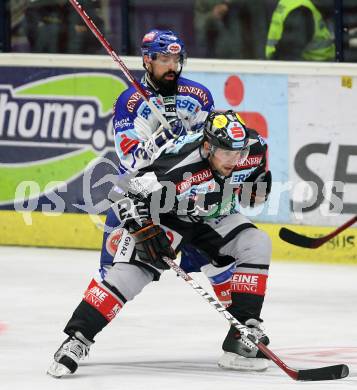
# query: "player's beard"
167, 87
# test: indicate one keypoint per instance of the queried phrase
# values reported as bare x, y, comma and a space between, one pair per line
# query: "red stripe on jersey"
127, 144
249, 283
107, 304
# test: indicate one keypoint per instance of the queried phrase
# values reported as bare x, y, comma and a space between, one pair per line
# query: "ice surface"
169, 338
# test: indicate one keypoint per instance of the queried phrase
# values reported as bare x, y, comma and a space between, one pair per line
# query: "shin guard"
100, 304
247, 293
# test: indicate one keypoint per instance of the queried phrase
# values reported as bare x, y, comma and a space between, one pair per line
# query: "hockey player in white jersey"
208, 222
138, 133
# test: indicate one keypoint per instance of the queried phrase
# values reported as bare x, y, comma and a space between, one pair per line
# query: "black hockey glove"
258, 193
151, 244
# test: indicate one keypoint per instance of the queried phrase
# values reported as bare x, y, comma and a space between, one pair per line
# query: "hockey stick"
89, 22
315, 374
312, 243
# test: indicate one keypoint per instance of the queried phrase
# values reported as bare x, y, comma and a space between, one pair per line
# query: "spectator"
80, 39
350, 30
226, 28
45, 25
298, 32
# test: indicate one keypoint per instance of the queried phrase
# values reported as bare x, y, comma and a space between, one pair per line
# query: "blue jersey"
136, 126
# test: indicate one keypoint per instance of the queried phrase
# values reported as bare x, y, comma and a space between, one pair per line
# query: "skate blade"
58, 370
232, 361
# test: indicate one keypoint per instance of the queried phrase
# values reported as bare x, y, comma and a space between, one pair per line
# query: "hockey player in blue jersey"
184, 103
139, 136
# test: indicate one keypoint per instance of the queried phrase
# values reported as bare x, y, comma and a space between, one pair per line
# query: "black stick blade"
297, 239
324, 373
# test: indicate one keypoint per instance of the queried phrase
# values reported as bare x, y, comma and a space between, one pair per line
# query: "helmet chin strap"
212, 149
149, 80
207, 155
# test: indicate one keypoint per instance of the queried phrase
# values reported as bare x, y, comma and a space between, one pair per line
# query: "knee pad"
251, 246
128, 278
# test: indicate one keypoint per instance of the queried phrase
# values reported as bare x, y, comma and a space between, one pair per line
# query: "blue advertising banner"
262, 101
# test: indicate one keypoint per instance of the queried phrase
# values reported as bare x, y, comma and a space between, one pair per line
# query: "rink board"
84, 231
306, 111
56, 138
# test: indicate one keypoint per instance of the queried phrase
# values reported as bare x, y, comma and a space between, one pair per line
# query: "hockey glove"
151, 244
130, 210
177, 130
258, 193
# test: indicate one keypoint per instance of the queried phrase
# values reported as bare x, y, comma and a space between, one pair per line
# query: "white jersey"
136, 126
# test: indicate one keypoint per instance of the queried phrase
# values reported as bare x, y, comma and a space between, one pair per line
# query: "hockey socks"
100, 304
247, 294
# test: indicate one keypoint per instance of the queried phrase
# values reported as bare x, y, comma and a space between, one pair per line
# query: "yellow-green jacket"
321, 48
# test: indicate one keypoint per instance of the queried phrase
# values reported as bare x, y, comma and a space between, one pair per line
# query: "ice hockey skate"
237, 356
68, 355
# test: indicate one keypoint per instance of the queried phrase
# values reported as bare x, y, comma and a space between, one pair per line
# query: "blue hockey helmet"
162, 41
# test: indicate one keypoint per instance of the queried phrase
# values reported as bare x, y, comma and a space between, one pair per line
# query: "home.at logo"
51, 129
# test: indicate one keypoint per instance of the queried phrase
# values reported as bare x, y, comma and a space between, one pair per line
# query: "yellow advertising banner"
83, 231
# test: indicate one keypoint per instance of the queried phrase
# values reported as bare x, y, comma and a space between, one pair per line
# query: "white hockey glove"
163, 135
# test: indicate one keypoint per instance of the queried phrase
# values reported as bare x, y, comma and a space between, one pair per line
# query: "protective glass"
231, 156
168, 59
